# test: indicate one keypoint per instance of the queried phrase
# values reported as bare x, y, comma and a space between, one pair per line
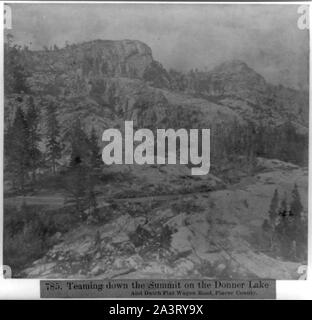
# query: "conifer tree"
79, 145
53, 136
16, 144
15, 73
95, 159
299, 231
296, 206
91, 196
75, 184
283, 206
32, 119
79, 181
274, 207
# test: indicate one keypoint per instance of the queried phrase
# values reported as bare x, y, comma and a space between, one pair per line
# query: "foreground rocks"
195, 236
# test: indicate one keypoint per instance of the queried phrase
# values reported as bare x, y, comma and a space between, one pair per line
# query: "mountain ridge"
120, 80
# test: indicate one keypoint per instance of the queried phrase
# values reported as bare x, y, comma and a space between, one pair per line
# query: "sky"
181, 36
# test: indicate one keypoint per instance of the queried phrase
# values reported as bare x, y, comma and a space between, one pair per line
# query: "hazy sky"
181, 36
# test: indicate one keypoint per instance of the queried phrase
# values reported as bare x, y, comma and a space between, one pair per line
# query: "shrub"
27, 233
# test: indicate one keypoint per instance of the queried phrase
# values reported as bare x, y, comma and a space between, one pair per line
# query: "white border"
29, 289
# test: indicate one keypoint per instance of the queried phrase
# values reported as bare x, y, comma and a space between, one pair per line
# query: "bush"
27, 233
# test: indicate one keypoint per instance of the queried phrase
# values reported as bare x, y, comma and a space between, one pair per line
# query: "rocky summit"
122, 80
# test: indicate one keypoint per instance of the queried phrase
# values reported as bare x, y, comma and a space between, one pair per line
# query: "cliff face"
109, 81
100, 58
241, 88
232, 78
105, 82
127, 58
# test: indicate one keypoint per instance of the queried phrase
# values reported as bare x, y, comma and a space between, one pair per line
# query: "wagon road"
56, 201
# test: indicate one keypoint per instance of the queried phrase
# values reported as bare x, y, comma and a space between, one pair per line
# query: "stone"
96, 271
41, 269
220, 268
177, 221
119, 263
180, 241
184, 266
134, 261
122, 237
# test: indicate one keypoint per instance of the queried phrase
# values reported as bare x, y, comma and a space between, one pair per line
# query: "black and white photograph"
155, 141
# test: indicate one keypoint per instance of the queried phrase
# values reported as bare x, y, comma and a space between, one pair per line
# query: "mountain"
104, 82
99, 58
86, 219
115, 80
236, 85
125, 58
232, 78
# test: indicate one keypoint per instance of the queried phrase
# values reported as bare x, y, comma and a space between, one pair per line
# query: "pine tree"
79, 145
91, 197
75, 184
16, 146
283, 206
296, 206
15, 73
266, 226
53, 140
80, 183
273, 207
32, 119
299, 224
95, 159
77, 179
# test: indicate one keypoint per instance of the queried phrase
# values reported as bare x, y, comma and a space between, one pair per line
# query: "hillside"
204, 235
69, 215
80, 70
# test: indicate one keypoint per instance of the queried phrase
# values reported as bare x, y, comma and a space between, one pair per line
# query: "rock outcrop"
208, 236
127, 58
236, 85
123, 79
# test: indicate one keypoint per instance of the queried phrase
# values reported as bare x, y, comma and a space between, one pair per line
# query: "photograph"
155, 141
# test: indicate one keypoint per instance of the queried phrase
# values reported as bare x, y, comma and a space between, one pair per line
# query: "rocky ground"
209, 234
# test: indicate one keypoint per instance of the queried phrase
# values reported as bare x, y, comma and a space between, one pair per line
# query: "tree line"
287, 226
32, 152
254, 140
